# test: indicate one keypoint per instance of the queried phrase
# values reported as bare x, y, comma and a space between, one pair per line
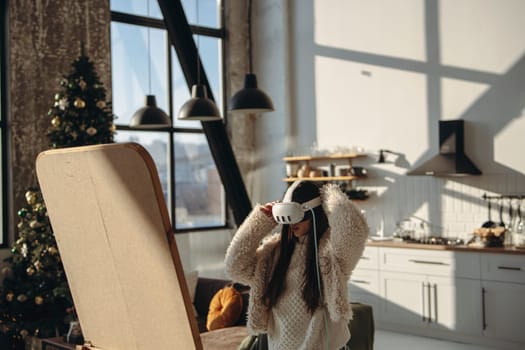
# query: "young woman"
288, 301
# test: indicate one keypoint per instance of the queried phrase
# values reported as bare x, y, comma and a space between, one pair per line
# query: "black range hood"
451, 160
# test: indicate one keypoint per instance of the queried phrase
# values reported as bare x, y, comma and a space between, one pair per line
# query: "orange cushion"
225, 309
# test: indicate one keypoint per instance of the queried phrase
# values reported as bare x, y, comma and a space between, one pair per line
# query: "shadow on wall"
493, 120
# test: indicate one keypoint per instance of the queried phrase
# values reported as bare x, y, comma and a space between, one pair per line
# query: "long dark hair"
311, 295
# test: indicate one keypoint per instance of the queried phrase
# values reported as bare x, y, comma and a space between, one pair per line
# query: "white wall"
380, 74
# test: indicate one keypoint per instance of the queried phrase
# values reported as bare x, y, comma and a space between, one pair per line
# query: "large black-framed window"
143, 63
3, 123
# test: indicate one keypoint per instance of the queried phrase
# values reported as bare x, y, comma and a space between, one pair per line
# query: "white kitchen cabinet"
504, 311
363, 286
455, 305
503, 288
404, 299
429, 289
442, 303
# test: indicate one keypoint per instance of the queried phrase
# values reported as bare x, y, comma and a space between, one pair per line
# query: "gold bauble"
30, 271
30, 197
91, 131
55, 121
101, 104
79, 103
112, 128
9, 296
39, 266
35, 224
39, 300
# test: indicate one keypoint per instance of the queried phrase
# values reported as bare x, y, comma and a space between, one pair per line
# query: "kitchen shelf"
324, 160
323, 178
348, 156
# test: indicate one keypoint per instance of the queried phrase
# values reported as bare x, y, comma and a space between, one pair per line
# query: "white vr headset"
288, 212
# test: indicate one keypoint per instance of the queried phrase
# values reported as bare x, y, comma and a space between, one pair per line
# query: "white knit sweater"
291, 325
250, 262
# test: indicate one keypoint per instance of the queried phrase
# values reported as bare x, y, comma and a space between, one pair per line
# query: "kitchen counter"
461, 248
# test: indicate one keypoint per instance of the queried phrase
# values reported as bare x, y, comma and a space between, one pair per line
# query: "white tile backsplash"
453, 207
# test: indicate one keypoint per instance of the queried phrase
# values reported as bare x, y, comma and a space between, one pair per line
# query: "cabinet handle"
509, 268
423, 287
428, 262
429, 303
435, 303
360, 281
483, 292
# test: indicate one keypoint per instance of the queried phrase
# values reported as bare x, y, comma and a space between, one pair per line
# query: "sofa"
361, 326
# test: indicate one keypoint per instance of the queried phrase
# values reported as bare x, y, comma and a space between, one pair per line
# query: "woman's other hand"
267, 209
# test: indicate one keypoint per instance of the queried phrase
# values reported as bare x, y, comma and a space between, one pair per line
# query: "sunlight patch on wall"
458, 95
485, 35
389, 104
509, 142
389, 28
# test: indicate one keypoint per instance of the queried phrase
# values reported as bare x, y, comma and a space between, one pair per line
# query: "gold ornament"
6, 271
112, 128
39, 266
30, 271
22, 298
55, 121
10, 296
79, 103
82, 84
39, 300
52, 250
30, 197
101, 104
35, 224
91, 131
24, 250
63, 103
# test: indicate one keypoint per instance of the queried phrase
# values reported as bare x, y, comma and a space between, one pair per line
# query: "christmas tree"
35, 298
80, 115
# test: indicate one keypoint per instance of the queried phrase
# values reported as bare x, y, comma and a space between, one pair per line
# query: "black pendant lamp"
199, 106
150, 116
250, 99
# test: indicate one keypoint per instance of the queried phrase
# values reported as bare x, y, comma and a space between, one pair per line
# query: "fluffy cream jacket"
250, 257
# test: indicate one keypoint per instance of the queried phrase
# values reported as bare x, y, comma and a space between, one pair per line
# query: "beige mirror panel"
113, 231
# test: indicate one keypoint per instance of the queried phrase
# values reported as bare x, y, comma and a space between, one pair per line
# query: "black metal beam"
181, 38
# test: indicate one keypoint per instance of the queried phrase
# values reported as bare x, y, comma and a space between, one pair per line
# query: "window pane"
208, 12
131, 68
210, 53
199, 198
156, 143
180, 93
148, 8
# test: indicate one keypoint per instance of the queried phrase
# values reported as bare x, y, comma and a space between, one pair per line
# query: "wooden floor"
385, 340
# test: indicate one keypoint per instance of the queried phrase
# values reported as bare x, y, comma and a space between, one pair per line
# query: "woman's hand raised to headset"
267, 209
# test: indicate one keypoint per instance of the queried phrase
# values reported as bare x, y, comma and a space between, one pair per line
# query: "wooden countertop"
459, 248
